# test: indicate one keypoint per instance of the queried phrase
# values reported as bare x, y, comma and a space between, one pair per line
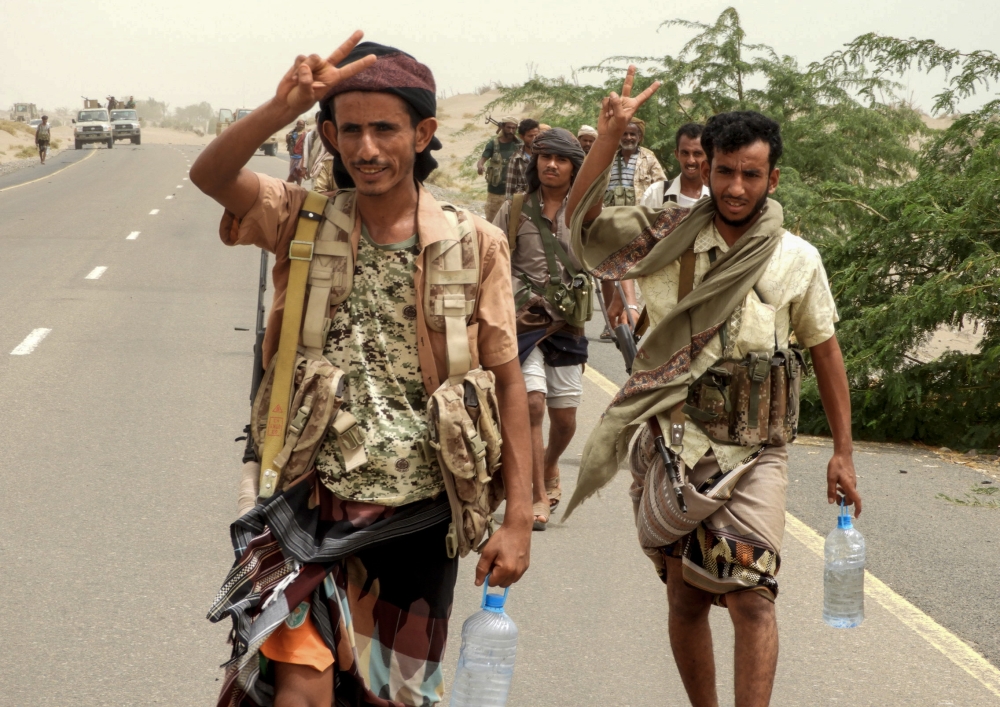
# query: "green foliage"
907, 219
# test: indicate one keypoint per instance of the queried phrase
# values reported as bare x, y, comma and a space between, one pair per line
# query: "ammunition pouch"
574, 302
463, 421
619, 196
750, 401
494, 168
316, 407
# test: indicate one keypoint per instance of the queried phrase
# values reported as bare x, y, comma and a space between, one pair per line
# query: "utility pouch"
787, 369
751, 401
619, 196
494, 168
464, 434
316, 406
732, 400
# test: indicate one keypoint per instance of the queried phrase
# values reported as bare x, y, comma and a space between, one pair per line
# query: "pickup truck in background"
228, 117
125, 125
92, 125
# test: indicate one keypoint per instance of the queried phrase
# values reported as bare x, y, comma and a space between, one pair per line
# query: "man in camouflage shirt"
369, 542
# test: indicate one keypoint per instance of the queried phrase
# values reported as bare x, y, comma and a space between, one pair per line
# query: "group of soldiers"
114, 104
441, 332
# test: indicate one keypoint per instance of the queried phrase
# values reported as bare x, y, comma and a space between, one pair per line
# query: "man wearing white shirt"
688, 188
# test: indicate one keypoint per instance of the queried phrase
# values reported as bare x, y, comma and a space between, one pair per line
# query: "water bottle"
486, 661
844, 575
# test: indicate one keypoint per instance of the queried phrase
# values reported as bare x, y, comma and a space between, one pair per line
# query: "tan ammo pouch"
316, 407
464, 434
463, 416
751, 401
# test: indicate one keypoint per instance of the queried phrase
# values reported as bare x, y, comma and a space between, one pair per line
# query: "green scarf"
628, 242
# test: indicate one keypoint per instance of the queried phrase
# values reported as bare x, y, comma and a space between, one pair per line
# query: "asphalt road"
118, 415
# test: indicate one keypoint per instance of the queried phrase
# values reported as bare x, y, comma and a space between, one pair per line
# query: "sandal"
553, 489
607, 334
541, 512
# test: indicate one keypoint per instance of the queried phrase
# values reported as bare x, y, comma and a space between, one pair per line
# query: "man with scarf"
753, 284
342, 581
552, 350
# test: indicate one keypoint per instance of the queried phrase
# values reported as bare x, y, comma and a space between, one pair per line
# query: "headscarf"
641, 124
394, 72
586, 130
556, 141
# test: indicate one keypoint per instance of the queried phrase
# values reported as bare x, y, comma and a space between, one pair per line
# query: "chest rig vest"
463, 413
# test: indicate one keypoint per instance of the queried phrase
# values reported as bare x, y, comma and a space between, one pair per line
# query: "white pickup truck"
92, 125
125, 125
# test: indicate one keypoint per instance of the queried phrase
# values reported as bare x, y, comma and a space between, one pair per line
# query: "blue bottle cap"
493, 602
844, 519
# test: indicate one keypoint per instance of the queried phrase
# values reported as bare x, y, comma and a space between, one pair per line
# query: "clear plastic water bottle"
486, 662
844, 576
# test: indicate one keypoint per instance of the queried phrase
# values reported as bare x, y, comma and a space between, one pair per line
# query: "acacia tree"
906, 218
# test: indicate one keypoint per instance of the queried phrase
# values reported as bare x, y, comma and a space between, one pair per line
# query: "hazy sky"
232, 52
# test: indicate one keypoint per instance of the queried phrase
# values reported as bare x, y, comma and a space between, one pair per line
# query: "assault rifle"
626, 341
491, 121
249, 455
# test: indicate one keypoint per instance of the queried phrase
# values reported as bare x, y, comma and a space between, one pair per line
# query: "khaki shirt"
271, 222
529, 253
796, 298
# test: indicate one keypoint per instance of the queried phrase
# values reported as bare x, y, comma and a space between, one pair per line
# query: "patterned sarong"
380, 587
730, 538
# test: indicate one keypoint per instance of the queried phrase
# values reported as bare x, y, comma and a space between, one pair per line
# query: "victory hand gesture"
312, 76
617, 111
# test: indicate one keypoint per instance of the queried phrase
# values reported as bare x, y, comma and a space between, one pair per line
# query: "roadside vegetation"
906, 217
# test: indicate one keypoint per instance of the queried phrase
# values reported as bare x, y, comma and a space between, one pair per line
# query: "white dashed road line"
154, 212
96, 273
185, 179
171, 196
31, 342
132, 236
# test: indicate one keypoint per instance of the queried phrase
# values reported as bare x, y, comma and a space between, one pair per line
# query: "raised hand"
617, 111
312, 76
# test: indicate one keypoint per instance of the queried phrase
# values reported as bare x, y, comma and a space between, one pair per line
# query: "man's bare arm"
220, 170
616, 113
831, 376
507, 554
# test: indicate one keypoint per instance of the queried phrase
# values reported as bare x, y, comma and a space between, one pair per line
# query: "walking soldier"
380, 433
554, 302
725, 284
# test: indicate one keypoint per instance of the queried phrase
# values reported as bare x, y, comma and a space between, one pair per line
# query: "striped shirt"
622, 172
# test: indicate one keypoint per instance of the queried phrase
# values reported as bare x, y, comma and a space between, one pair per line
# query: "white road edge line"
31, 342
132, 236
154, 212
96, 273
951, 646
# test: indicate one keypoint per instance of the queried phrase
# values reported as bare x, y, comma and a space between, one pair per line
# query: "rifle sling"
300, 252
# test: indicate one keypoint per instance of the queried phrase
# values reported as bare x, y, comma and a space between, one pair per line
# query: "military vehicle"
228, 117
92, 125
23, 112
125, 125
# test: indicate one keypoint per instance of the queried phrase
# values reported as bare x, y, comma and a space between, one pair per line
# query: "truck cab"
125, 125
228, 117
23, 112
92, 125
